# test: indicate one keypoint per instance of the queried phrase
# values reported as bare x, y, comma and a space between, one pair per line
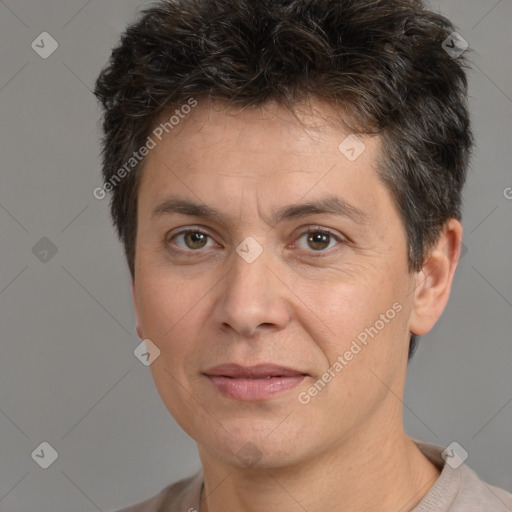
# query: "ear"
135, 307
433, 283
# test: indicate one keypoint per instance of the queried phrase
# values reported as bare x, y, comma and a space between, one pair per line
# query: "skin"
299, 305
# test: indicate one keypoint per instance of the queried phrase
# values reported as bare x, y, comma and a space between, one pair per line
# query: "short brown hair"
382, 61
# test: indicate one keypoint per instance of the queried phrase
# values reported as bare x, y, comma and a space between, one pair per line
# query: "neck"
390, 473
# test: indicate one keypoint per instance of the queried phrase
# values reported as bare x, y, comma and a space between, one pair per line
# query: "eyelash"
308, 230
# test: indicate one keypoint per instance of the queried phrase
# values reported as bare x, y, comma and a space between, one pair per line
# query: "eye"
191, 240
317, 239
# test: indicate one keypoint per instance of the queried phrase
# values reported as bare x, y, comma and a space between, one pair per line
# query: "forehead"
298, 130
271, 133
217, 153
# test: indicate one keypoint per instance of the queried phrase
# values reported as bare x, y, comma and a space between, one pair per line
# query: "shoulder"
180, 495
475, 495
459, 488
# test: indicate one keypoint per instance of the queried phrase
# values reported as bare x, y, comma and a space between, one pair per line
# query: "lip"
253, 383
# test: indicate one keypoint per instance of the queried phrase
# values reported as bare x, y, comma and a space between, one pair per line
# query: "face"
271, 273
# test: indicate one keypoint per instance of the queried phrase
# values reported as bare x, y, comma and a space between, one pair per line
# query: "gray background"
68, 373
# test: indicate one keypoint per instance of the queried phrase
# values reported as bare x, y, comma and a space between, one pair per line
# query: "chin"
255, 448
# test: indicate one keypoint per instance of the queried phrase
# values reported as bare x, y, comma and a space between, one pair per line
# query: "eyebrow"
330, 205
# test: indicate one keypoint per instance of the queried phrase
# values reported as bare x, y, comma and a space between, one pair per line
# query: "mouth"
253, 383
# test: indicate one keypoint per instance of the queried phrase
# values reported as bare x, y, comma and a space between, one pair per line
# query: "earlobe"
135, 308
433, 283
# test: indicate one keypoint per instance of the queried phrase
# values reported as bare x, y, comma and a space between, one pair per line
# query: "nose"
253, 298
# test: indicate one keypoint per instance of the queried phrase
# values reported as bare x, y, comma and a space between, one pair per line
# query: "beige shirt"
456, 490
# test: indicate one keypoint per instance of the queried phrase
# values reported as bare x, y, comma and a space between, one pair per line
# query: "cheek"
175, 312
171, 315
343, 308
364, 347
170, 310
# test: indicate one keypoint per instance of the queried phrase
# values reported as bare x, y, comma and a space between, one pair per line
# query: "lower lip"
254, 389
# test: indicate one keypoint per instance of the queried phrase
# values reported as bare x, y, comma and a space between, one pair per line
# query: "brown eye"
317, 240
191, 240
195, 240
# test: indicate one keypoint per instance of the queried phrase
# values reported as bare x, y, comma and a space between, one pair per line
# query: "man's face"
322, 278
